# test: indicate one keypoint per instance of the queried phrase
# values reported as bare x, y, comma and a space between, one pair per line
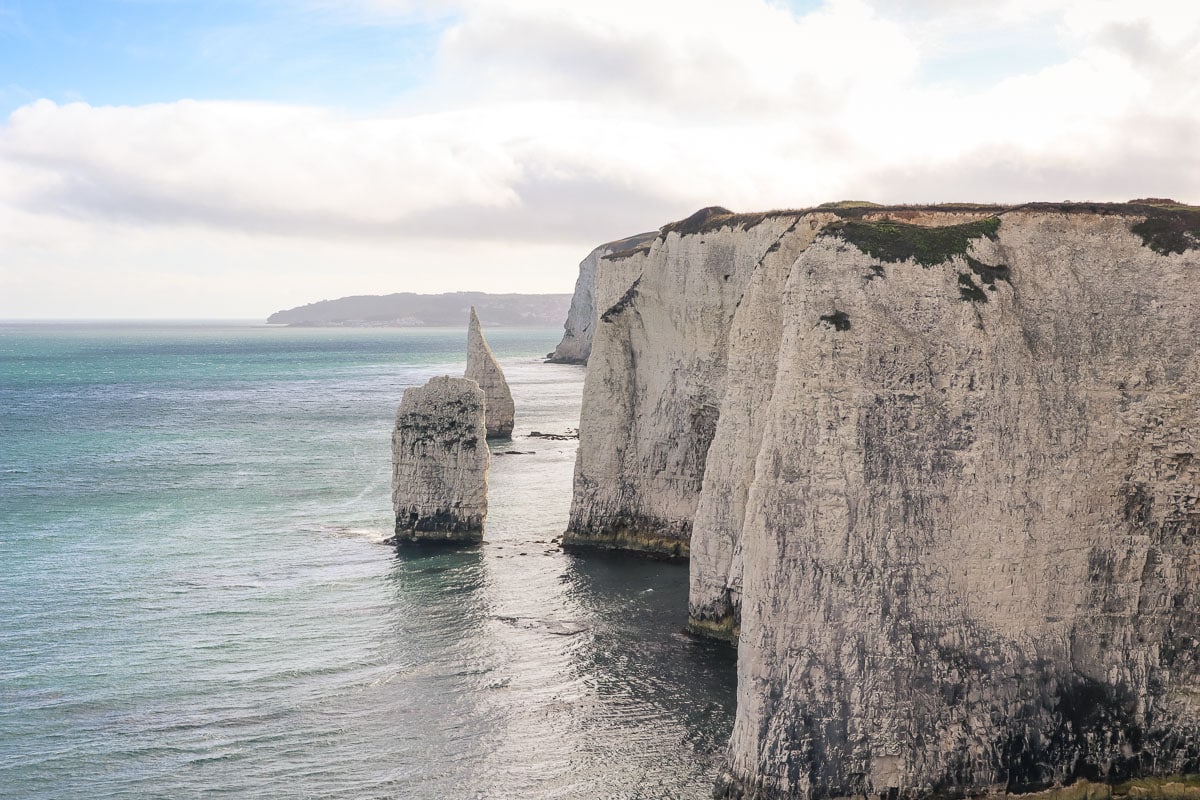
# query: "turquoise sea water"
194, 601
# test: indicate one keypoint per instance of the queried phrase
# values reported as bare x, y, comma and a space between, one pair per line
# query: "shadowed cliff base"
440, 527
1175, 787
723, 628
435, 537
552, 358
628, 540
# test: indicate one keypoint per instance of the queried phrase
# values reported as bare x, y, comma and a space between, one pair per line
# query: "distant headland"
407, 309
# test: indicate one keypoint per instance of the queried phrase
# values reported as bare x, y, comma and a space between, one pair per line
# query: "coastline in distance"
408, 309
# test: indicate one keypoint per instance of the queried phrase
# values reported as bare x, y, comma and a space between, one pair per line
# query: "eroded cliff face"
951, 497
753, 345
440, 461
576, 344
656, 377
753, 353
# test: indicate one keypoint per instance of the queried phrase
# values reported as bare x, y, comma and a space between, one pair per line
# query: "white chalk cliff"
936, 470
483, 368
576, 344
439, 463
655, 381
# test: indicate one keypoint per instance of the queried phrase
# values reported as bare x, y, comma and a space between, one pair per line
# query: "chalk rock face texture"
753, 346
949, 504
576, 344
655, 380
439, 463
483, 368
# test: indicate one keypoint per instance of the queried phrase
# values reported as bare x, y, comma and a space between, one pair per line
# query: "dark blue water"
194, 601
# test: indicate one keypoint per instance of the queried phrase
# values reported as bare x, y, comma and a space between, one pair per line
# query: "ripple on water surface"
197, 603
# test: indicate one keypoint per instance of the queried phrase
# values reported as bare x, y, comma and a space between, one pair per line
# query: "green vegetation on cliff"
893, 241
1169, 227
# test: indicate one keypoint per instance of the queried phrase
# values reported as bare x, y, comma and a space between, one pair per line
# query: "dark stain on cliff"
988, 273
838, 320
702, 422
968, 291
443, 427
1137, 506
625, 302
1093, 735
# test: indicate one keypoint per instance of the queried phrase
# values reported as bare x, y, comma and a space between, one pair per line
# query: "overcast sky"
228, 158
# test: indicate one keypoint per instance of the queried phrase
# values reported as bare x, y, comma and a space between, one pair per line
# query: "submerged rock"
439, 463
483, 368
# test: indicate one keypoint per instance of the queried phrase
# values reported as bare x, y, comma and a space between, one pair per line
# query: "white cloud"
549, 127
245, 164
672, 57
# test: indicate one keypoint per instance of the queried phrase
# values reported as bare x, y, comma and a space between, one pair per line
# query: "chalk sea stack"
936, 470
439, 463
483, 369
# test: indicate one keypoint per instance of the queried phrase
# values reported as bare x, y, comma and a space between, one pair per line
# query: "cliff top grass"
629, 252
849, 209
1168, 225
845, 204
705, 220
716, 217
631, 245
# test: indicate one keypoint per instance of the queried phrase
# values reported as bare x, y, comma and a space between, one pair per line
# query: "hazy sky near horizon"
228, 158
